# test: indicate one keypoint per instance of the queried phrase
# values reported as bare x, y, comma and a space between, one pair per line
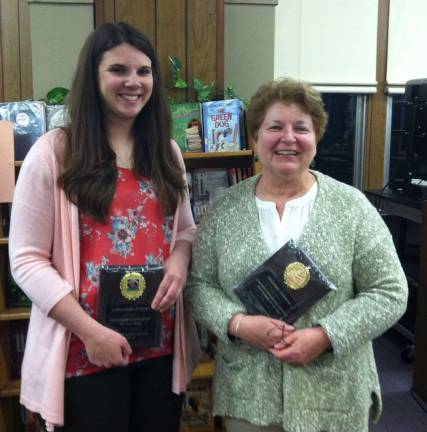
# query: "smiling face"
286, 141
125, 82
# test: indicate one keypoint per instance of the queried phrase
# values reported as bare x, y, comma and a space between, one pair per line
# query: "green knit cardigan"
348, 240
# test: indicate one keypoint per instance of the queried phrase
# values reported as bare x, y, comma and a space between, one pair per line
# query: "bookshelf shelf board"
197, 429
14, 314
4, 240
11, 388
204, 370
219, 155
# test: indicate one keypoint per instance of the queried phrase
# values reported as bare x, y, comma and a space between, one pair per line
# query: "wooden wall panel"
104, 11
171, 42
25, 51
201, 40
16, 76
140, 13
220, 30
10, 50
377, 108
192, 30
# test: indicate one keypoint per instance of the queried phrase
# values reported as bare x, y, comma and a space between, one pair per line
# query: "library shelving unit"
234, 159
9, 386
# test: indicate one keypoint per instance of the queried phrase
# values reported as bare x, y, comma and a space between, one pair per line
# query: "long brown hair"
89, 170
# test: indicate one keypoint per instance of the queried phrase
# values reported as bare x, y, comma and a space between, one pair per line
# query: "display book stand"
11, 415
407, 209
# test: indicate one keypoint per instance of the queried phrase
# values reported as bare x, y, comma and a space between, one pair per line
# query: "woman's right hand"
107, 348
104, 347
259, 331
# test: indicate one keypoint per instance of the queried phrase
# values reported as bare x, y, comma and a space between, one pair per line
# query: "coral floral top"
137, 233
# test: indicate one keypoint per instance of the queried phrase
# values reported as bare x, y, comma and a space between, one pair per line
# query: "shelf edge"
11, 388
14, 314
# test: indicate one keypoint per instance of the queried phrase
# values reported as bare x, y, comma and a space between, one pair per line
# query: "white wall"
407, 41
249, 44
58, 31
327, 42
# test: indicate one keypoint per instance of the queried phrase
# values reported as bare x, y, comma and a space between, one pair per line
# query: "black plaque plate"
285, 286
125, 296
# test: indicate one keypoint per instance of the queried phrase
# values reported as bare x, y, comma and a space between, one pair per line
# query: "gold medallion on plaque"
296, 275
132, 285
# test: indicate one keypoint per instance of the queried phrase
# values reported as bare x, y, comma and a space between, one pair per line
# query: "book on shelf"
208, 184
285, 286
223, 125
29, 123
199, 208
208, 342
232, 176
5, 210
189, 179
197, 409
187, 126
56, 116
18, 335
15, 297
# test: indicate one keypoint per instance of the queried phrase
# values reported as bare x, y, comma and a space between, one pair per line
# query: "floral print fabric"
137, 232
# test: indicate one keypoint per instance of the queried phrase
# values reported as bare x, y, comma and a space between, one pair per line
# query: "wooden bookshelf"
234, 159
217, 155
10, 388
206, 157
200, 420
204, 370
203, 374
13, 314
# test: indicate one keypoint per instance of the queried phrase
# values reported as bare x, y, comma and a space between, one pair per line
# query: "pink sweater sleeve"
33, 227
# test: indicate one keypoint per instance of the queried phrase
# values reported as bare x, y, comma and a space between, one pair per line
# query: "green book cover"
186, 126
15, 297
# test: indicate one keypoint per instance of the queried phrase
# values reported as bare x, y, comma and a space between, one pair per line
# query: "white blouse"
277, 231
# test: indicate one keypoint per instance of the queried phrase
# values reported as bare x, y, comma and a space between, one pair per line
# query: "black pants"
135, 398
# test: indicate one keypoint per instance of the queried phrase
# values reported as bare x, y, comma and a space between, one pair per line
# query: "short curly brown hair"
287, 91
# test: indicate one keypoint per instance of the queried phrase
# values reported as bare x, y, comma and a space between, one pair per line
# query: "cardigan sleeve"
186, 226
32, 228
380, 286
208, 301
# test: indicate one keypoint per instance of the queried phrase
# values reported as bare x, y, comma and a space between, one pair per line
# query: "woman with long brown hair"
108, 190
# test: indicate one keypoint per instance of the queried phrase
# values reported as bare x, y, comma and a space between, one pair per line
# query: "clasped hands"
283, 341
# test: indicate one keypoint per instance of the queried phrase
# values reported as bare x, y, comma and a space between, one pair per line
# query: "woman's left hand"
174, 277
302, 346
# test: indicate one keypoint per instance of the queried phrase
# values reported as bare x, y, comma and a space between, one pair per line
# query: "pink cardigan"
44, 257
